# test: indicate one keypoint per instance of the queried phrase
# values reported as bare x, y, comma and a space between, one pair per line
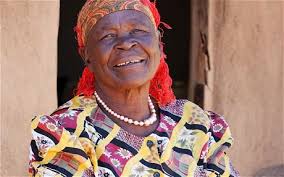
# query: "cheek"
155, 51
151, 44
158, 54
100, 55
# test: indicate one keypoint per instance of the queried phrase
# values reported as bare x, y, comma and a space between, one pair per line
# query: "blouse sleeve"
55, 151
217, 161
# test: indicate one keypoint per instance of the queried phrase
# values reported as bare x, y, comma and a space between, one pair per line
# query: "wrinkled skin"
118, 38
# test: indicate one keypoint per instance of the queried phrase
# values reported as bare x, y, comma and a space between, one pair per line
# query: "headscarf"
91, 13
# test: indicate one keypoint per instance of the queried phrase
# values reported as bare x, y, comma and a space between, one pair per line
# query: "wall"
28, 75
246, 80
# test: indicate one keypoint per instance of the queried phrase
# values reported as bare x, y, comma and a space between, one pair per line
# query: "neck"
132, 103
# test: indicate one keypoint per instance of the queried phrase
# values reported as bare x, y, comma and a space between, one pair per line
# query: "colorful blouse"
79, 139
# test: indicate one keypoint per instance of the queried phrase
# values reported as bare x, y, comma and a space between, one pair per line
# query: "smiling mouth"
128, 63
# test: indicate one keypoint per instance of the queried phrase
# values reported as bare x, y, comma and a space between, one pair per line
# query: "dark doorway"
70, 65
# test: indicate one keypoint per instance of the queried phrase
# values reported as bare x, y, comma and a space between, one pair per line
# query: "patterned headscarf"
91, 13
94, 10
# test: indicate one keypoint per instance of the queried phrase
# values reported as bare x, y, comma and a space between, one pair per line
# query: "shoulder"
64, 116
219, 129
189, 113
73, 107
57, 139
193, 114
64, 123
78, 103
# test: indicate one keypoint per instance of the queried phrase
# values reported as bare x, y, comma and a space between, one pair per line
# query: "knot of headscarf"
94, 10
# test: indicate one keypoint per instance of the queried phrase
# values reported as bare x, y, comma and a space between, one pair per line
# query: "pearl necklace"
145, 122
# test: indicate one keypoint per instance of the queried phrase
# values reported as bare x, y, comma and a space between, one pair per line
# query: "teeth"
135, 61
128, 62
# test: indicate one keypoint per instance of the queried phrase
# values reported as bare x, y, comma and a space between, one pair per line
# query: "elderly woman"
125, 120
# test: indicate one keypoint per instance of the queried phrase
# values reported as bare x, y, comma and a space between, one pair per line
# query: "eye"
138, 31
108, 36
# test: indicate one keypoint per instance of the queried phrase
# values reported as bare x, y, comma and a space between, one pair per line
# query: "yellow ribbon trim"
185, 118
212, 175
75, 102
87, 164
199, 145
35, 122
143, 152
80, 120
91, 152
191, 169
227, 169
101, 146
57, 148
216, 145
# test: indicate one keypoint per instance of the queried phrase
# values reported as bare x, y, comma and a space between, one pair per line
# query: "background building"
234, 60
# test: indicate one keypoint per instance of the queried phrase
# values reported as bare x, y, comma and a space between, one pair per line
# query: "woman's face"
123, 50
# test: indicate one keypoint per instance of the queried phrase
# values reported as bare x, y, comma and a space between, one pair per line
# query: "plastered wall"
246, 80
28, 34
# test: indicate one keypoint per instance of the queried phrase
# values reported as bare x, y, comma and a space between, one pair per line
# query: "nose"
126, 43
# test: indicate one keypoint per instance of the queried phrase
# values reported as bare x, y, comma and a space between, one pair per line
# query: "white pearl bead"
147, 122
152, 119
121, 118
136, 122
126, 119
141, 123
111, 111
130, 121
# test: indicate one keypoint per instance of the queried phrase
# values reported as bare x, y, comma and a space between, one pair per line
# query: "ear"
159, 36
82, 53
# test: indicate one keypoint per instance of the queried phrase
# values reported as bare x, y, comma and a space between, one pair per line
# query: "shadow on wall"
274, 171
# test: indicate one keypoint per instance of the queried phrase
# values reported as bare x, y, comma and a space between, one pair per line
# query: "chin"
132, 83
132, 79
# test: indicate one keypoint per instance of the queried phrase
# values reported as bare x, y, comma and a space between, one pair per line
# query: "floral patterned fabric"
78, 139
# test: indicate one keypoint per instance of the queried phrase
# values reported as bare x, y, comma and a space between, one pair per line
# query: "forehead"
124, 17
